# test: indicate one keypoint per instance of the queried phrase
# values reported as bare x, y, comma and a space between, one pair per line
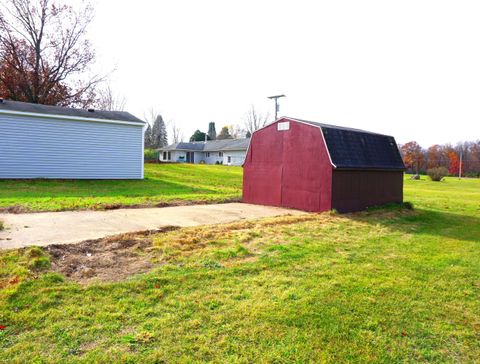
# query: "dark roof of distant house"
211, 145
194, 146
227, 144
359, 149
67, 111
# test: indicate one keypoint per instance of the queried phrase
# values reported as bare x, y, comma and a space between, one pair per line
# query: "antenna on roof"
277, 106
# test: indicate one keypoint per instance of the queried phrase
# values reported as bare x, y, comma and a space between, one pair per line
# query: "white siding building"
228, 152
40, 141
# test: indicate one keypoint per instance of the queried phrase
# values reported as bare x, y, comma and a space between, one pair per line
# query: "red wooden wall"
288, 168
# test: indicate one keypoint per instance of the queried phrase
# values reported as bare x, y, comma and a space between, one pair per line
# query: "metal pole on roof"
277, 106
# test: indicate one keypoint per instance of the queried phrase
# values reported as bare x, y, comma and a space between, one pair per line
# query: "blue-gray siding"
33, 147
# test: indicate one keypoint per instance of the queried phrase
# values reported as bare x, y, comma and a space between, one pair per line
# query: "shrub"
1, 225
437, 173
151, 155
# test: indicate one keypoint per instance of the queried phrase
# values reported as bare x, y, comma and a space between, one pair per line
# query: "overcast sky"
410, 69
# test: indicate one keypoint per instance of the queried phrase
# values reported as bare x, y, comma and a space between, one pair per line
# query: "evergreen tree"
224, 134
159, 133
199, 136
212, 133
148, 137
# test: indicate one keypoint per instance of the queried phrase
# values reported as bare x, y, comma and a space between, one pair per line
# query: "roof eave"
71, 118
379, 169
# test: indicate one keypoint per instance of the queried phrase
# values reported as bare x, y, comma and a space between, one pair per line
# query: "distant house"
40, 141
228, 151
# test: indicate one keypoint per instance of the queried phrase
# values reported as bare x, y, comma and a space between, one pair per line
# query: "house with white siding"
227, 151
41, 141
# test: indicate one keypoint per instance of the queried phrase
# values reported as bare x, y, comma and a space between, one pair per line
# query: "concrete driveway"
74, 226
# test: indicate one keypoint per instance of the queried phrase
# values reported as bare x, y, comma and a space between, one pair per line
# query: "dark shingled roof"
67, 111
226, 144
194, 146
211, 145
359, 149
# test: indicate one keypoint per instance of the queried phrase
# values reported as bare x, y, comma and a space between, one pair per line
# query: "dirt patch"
112, 258
15, 209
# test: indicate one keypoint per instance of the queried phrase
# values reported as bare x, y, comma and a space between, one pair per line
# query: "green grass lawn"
389, 285
163, 183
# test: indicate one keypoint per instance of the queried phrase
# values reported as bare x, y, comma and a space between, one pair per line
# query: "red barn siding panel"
306, 169
357, 190
262, 170
262, 184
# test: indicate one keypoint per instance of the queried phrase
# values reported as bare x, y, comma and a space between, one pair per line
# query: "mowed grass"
163, 183
386, 286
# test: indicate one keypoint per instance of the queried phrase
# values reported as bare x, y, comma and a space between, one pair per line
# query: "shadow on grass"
423, 221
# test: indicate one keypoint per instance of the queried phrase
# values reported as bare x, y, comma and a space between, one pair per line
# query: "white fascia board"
69, 118
326, 147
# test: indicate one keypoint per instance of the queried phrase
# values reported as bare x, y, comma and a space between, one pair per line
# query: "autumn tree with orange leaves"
454, 167
412, 155
44, 54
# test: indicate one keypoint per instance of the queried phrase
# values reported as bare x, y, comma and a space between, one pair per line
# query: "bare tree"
44, 54
254, 120
107, 100
236, 131
177, 135
151, 115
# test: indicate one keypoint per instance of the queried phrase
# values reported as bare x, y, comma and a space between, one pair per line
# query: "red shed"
318, 167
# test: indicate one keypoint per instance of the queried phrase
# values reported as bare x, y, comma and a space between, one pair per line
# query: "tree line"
252, 121
463, 158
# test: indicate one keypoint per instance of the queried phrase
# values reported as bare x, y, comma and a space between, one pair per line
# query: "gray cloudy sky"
406, 68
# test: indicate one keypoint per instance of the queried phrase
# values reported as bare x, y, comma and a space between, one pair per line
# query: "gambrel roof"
358, 149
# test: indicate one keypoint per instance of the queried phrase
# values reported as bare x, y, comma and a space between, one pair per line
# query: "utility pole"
277, 106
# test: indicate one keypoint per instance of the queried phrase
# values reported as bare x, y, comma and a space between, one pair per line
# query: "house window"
229, 159
207, 154
169, 156
220, 154
164, 156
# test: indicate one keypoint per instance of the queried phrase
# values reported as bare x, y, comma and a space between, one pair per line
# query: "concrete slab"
69, 227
